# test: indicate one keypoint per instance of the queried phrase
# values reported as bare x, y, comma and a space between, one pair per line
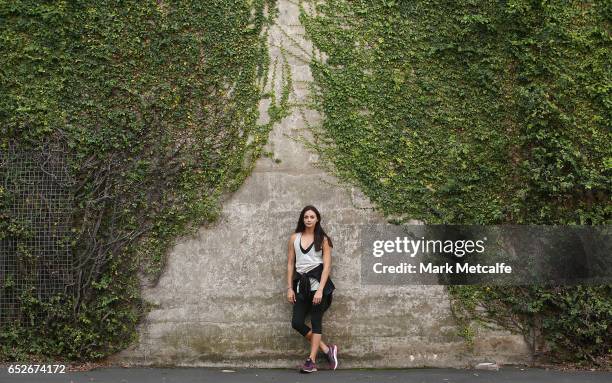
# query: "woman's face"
310, 218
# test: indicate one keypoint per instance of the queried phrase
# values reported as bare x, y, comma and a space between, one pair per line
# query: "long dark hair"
319, 233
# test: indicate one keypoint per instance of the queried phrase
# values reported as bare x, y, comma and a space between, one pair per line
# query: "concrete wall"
221, 300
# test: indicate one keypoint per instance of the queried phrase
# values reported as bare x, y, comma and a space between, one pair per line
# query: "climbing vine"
476, 112
155, 106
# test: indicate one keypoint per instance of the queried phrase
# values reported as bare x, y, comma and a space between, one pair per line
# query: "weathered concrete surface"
221, 299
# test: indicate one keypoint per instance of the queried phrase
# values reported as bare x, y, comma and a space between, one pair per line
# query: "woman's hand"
290, 295
317, 297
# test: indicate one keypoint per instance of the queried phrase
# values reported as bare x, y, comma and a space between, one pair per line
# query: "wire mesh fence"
35, 232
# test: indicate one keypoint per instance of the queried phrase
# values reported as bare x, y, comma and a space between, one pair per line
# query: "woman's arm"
290, 267
326, 271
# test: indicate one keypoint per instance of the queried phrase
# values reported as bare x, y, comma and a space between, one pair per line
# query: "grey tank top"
304, 262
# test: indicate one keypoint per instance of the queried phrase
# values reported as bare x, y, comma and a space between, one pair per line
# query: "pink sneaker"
308, 366
332, 356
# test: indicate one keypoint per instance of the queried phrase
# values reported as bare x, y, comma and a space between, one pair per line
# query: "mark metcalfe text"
430, 268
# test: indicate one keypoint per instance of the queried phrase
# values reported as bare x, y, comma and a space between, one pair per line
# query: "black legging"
301, 308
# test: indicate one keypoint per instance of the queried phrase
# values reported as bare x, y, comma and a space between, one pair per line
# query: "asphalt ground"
251, 375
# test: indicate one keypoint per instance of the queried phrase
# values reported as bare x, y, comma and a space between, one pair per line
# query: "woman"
309, 287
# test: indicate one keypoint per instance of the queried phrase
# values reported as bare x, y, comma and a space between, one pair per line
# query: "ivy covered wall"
450, 112
154, 105
478, 112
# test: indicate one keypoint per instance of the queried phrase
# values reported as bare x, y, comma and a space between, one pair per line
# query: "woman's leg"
322, 345
297, 322
316, 317
314, 346
300, 308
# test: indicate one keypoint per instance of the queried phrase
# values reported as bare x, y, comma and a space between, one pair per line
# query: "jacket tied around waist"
304, 282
